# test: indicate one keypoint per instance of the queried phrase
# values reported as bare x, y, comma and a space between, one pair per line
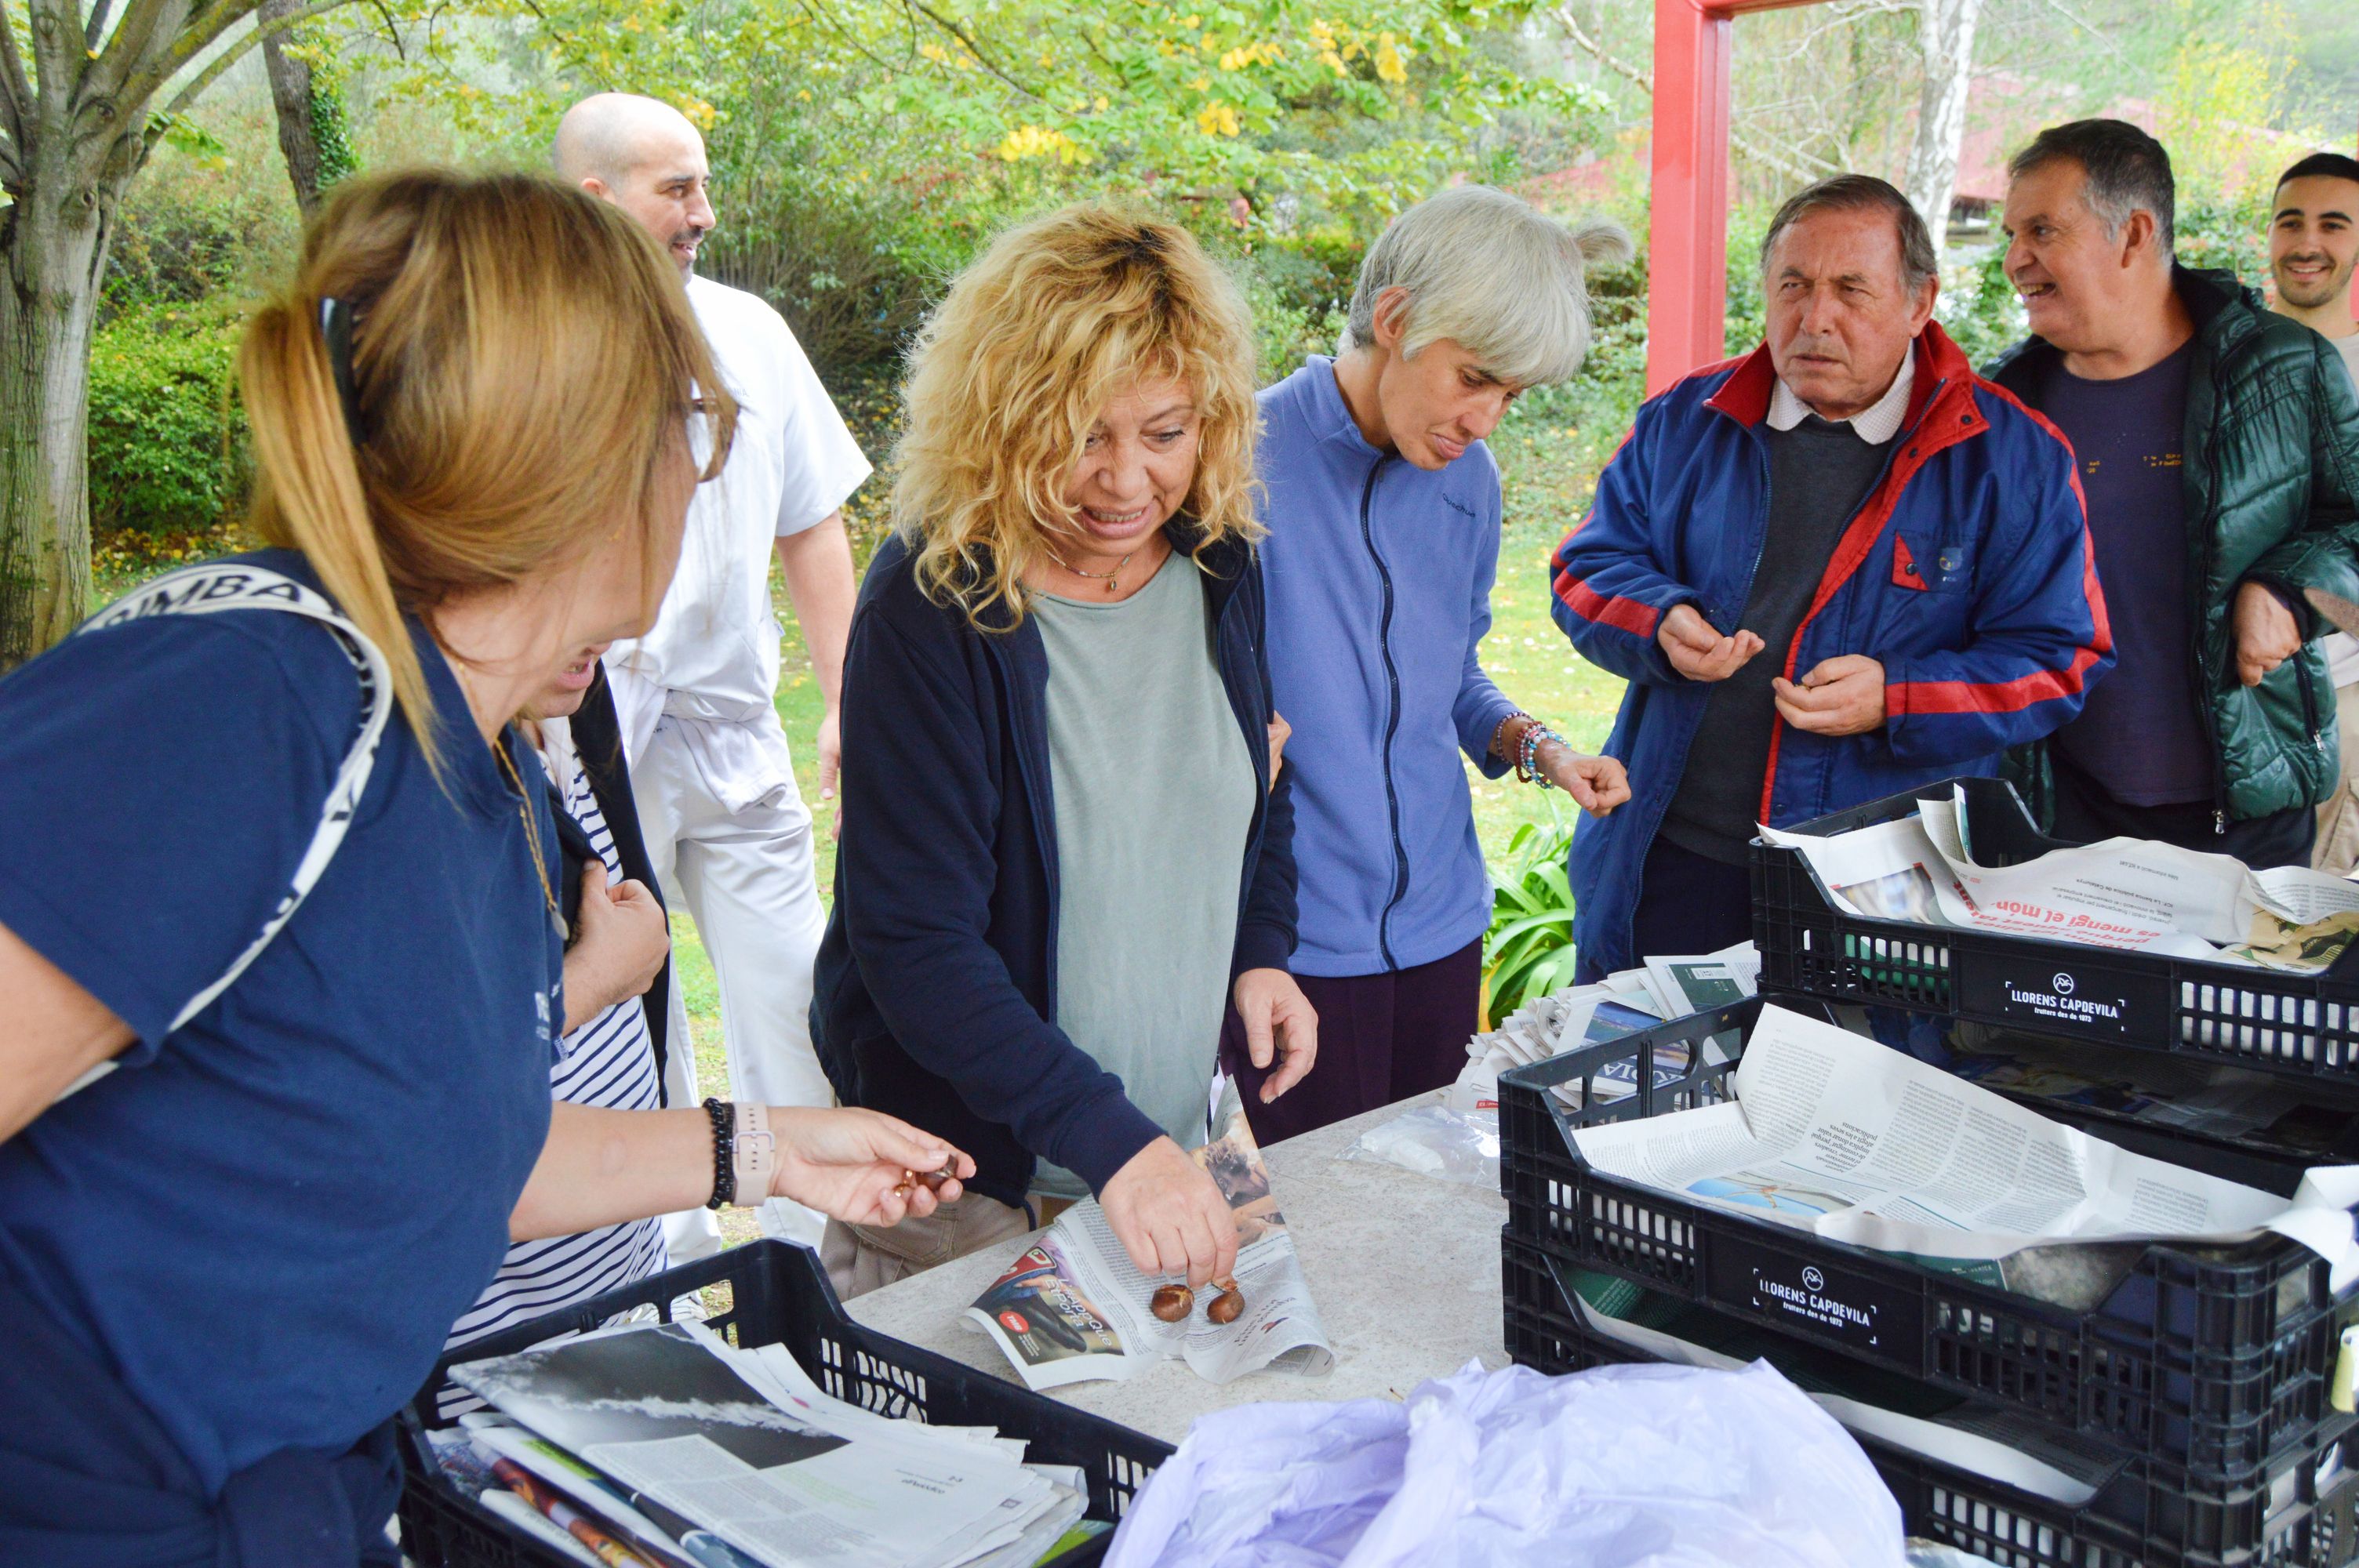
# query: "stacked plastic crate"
2199, 1378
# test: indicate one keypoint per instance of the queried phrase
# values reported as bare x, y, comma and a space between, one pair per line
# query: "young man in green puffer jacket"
2218, 448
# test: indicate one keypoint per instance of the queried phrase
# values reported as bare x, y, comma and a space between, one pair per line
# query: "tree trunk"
1945, 38
290, 94
52, 253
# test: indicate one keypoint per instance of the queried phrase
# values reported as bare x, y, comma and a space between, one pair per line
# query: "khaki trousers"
864, 1257
2338, 820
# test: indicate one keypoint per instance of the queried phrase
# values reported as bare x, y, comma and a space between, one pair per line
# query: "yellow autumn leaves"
1389, 55
1217, 116
1029, 141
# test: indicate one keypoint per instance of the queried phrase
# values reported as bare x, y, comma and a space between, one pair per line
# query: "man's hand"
2266, 633
1698, 652
1842, 696
830, 755
622, 942
1169, 1216
816, 565
1278, 1019
830, 768
856, 1164
1597, 785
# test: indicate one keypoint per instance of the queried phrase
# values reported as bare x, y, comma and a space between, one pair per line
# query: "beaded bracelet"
1527, 754
724, 1153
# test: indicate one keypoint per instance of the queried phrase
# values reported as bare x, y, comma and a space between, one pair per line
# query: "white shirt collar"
1875, 424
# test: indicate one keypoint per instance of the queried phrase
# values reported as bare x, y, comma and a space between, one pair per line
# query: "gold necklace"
531, 835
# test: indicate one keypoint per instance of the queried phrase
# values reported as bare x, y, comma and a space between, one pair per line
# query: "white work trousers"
731, 840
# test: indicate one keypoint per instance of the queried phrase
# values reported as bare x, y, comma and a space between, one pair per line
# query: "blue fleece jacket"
1379, 582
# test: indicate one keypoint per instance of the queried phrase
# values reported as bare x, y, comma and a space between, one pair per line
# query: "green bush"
1528, 950
211, 219
167, 442
848, 268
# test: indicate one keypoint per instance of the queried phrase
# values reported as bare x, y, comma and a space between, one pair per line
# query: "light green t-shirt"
1154, 794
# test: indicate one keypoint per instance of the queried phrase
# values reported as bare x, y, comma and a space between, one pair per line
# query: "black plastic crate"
779, 1294
2214, 1357
2303, 1025
2298, 1511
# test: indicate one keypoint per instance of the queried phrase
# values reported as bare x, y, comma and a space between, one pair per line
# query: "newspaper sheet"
1073, 1307
1854, 1141
2131, 893
1549, 1026
2007, 1445
1624, 1002
675, 1423
1699, 983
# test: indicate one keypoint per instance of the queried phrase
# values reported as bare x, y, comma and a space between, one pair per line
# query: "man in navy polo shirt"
2219, 446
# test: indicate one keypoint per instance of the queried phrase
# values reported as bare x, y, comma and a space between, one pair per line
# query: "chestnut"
1172, 1303
1229, 1304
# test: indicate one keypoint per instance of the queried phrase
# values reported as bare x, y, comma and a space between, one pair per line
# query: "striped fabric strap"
223, 586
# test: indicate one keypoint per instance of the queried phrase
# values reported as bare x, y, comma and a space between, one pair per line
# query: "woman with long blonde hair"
291, 878
1065, 851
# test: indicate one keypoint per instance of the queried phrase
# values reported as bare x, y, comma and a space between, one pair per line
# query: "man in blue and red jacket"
1843, 563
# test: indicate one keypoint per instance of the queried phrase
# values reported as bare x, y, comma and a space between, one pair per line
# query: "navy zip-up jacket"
1966, 571
935, 996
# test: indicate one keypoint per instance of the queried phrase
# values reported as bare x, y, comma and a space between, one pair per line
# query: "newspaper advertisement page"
1699, 983
1839, 1135
662, 1415
2123, 892
2159, 896
2130, 893
1073, 1307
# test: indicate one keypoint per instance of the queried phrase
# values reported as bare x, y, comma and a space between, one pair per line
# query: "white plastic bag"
1434, 1140
1620, 1468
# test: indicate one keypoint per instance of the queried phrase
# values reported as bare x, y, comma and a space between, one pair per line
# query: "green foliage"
1527, 952
211, 219
1979, 307
167, 445
330, 132
1748, 320
2228, 229
864, 150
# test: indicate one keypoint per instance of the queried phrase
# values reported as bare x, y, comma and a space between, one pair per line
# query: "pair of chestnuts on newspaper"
1173, 1303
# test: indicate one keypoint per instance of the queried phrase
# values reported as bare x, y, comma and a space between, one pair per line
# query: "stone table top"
1403, 1269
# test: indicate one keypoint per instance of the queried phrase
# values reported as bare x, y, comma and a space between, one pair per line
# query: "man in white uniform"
726, 827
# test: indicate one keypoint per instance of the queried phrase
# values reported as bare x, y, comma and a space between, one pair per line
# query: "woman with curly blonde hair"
1066, 848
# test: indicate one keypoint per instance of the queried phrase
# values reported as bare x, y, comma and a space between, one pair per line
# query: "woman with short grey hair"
1383, 508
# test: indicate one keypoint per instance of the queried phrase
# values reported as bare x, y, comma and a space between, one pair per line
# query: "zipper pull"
2220, 823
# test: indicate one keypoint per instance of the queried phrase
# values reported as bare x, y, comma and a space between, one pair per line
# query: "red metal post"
1687, 225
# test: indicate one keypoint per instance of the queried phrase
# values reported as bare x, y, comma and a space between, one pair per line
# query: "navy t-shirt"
267, 1220
2140, 734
